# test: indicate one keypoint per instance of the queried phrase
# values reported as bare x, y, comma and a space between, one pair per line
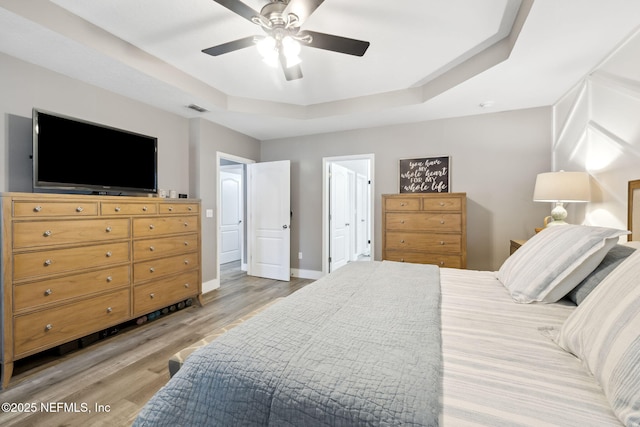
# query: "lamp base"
558, 214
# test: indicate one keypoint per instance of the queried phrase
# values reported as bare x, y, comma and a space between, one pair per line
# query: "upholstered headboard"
634, 210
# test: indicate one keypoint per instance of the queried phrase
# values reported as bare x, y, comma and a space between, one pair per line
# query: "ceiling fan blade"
292, 73
337, 43
236, 6
302, 8
230, 46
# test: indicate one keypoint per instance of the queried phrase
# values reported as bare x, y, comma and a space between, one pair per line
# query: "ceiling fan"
281, 21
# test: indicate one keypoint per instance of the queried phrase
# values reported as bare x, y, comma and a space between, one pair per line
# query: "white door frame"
325, 202
224, 156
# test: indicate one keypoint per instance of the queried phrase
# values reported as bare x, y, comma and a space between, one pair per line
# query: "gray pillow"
615, 256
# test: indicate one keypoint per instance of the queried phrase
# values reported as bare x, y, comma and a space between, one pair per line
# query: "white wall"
495, 159
597, 129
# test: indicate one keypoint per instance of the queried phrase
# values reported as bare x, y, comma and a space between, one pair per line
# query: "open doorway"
231, 217
347, 210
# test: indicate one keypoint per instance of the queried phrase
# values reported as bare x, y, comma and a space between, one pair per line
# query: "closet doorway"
347, 210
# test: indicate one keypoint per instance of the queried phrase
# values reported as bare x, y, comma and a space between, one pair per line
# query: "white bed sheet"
501, 370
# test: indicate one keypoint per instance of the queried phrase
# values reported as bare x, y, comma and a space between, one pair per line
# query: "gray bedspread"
361, 346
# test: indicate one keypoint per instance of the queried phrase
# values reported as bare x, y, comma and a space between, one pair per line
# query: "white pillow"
550, 264
604, 333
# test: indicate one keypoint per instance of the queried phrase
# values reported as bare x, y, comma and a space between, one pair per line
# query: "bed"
551, 339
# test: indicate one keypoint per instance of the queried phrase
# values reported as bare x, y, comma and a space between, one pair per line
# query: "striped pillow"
554, 261
604, 333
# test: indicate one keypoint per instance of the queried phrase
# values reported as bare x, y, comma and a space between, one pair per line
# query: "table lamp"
561, 187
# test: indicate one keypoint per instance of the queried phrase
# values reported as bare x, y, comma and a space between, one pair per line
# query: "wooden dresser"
426, 228
73, 265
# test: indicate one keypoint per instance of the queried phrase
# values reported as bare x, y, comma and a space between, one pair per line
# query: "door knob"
285, 226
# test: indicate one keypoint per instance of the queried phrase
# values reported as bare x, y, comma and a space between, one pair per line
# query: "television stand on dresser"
73, 265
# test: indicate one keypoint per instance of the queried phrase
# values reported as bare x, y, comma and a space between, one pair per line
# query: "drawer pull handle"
144, 208
186, 224
402, 241
190, 208
151, 248
441, 262
47, 262
442, 221
47, 233
170, 208
108, 229
186, 285
37, 209
403, 204
186, 243
186, 262
151, 270
109, 309
79, 209
441, 203
402, 221
109, 253
401, 259
441, 242
152, 296
117, 209
47, 292
109, 279
151, 227
48, 327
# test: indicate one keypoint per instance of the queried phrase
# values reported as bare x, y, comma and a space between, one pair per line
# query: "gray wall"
186, 148
495, 159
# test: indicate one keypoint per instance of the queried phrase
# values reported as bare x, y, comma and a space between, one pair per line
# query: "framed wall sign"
425, 175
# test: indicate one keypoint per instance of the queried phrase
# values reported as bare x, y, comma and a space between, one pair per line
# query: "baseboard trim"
306, 274
210, 285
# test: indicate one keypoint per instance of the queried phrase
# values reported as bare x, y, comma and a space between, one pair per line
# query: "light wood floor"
121, 373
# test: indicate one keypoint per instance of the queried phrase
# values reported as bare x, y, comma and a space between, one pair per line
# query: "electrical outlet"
209, 213
299, 255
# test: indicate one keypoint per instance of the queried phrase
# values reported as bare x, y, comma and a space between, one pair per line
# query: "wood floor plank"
122, 372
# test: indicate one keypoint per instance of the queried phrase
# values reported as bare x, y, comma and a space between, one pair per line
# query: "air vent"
198, 108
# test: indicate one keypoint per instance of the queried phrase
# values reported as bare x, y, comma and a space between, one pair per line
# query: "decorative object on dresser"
74, 265
425, 228
425, 175
561, 187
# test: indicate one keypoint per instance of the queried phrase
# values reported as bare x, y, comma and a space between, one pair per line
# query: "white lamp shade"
562, 187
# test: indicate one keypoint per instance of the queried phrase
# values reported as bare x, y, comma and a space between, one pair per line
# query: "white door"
362, 214
339, 216
269, 208
230, 215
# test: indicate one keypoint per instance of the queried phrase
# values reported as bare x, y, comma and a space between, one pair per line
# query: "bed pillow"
612, 259
550, 264
604, 333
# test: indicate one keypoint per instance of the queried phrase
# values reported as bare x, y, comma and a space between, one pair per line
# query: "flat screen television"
79, 156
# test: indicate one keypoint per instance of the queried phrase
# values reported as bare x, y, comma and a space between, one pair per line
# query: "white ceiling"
428, 59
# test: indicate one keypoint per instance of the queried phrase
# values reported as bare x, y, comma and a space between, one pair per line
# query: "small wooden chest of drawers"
73, 265
425, 228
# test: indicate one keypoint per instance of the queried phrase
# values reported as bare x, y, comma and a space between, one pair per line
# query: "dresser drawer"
442, 204
44, 233
164, 246
32, 295
42, 209
178, 208
420, 221
399, 204
451, 261
129, 208
157, 226
437, 243
160, 293
54, 261
147, 270
47, 328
